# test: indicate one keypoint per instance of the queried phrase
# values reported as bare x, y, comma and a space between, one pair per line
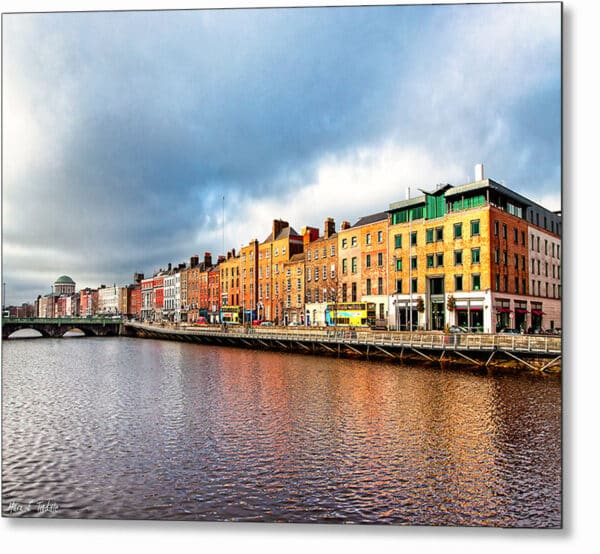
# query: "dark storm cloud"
142, 122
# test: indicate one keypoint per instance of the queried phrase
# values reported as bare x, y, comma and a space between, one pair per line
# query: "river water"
133, 428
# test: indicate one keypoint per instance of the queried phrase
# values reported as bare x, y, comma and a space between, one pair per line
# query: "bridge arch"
16, 330
87, 331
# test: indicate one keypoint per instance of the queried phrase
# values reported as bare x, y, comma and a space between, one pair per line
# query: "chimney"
233, 252
278, 226
194, 260
137, 278
207, 259
169, 267
345, 225
309, 234
479, 172
329, 227
220, 259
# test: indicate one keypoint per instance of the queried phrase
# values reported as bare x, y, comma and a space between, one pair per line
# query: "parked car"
293, 324
266, 324
508, 331
257, 322
201, 321
456, 329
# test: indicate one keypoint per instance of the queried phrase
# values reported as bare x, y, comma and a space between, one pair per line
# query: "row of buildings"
478, 255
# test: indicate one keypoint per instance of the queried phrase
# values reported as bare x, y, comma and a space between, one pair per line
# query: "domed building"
64, 285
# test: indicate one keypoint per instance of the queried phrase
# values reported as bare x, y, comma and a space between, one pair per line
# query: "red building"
214, 291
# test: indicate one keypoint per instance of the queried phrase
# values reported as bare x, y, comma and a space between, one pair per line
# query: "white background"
580, 370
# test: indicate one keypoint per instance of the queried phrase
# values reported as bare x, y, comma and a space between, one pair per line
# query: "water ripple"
125, 428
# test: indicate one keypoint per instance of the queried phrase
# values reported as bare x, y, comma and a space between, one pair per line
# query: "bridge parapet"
57, 327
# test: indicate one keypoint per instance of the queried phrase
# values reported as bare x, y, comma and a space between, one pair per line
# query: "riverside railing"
424, 340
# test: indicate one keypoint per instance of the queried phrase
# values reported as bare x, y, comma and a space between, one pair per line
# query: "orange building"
273, 252
229, 272
249, 280
321, 271
459, 256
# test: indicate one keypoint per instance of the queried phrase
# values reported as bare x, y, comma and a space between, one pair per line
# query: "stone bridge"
57, 327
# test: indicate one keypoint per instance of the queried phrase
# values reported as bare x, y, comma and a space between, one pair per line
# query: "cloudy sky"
123, 131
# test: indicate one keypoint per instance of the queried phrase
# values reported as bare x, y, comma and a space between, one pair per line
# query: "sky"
135, 139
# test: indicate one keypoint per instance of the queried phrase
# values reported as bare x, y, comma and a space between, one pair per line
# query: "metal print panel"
283, 265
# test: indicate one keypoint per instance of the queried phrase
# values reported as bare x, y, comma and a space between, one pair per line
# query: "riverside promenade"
528, 352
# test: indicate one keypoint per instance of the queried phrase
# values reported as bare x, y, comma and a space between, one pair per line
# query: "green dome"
64, 279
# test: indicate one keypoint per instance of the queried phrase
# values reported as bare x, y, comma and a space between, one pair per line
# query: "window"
538, 244
379, 236
439, 234
439, 259
368, 287
344, 292
316, 254
380, 285
308, 256
496, 255
429, 260
380, 259
413, 262
399, 286
298, 284
505, 257
354, 266
458, 257
353, 241
316, 295
546, 272
414, 284
506, 283
428, 235
413, 238
368, 260
516, 261
316, 273
475, 228
532, 242
345, 266
516, 285
333, 271
458, 282
399, 264
308, 273
523, 238
497, 282
475, 256
368, 238
495, 228
533, 267
458, 230
353, 292
475, 282
344, 243
324, 272
332, 250
504, 230
546, 247
397, 241
308, 296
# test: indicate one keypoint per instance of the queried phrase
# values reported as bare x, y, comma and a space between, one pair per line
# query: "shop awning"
520, 310
472, 308
503, 310
538, 312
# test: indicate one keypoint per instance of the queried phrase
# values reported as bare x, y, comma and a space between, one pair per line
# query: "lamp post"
410, 310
